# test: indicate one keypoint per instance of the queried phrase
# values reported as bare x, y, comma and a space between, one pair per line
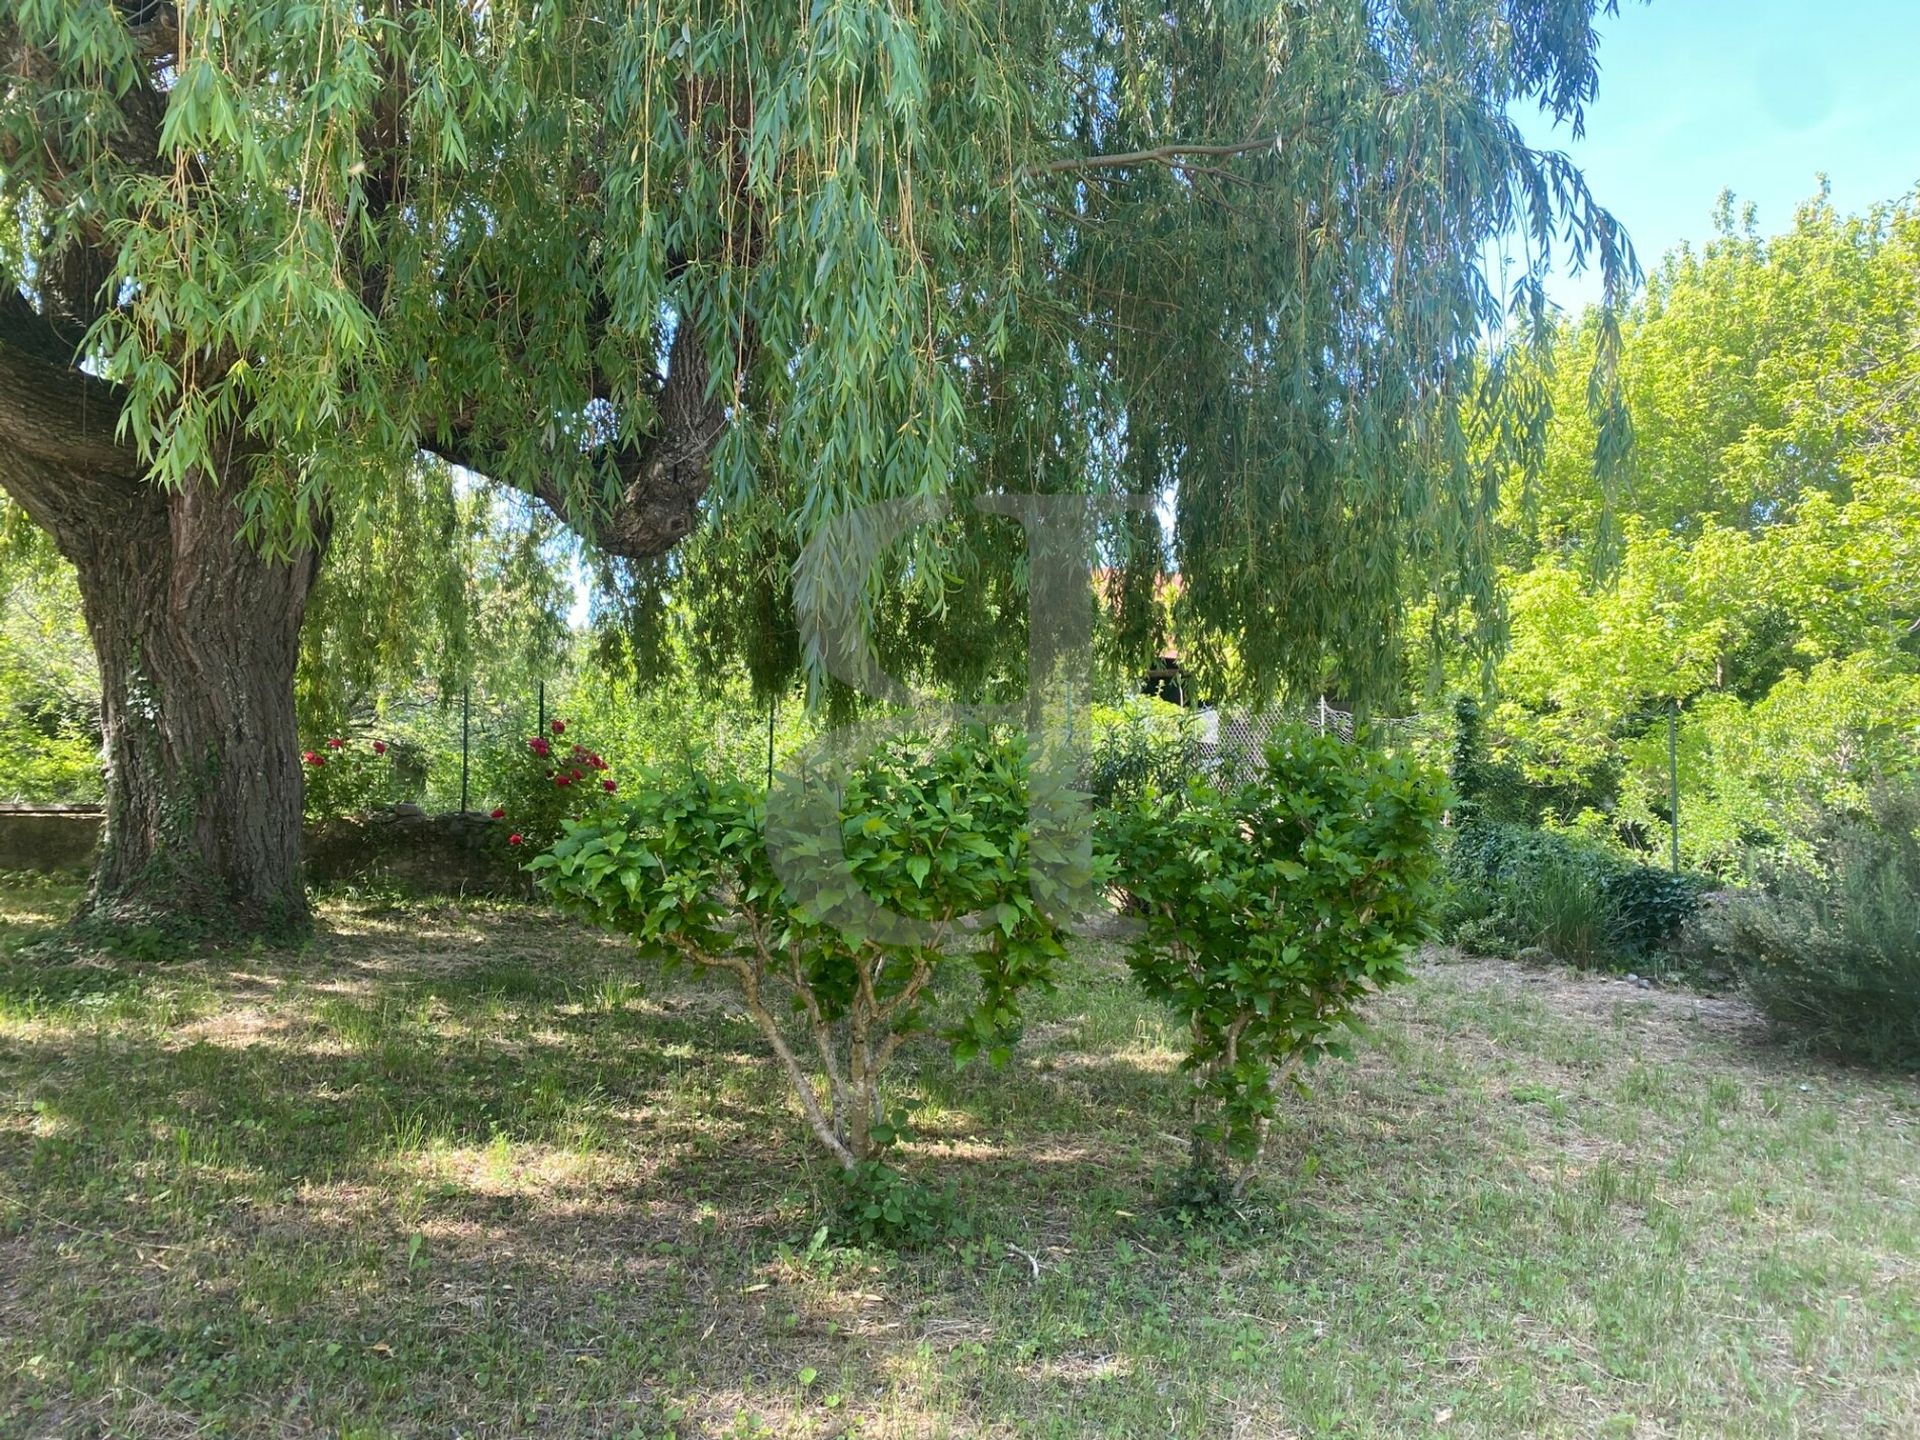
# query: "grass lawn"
470, 1170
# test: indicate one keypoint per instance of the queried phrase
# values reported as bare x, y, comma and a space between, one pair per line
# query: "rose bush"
348, 777
550, 781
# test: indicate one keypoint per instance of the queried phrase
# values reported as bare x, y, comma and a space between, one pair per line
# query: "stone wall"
402, 847
418, 853
48, 837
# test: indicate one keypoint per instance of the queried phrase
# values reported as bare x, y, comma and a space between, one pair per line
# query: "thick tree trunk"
197, 636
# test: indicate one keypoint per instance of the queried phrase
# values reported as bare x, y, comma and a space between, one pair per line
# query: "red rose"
310, 757
513, 839
608, 786
539, 747
379, 747
559, 727
562, 780
335, 744
498, 813
596, 762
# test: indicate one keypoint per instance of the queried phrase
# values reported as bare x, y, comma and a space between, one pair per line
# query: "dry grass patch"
470, 1170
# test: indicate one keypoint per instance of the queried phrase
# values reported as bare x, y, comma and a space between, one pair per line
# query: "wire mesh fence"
1236, 742
446, 749
464, 749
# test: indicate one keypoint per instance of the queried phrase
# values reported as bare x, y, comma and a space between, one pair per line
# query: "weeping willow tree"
695, 263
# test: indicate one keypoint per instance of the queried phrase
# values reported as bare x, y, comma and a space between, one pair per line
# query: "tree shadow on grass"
219, 1233
538, 1194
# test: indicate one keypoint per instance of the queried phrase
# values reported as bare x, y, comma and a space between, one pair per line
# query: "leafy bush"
1511, 887
1832, 954
1272, 911
348, 777
1647, 907
49, 677
877, 1206
1143, 747
838, 936
550, 781
48, 758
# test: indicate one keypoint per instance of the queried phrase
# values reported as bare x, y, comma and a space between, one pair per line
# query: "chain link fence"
1236, 743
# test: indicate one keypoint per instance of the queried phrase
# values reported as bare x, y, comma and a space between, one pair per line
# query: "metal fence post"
541, 727
773, 705
466, 712
1673, 778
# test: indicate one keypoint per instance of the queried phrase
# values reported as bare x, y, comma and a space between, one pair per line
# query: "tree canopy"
659, 264
1765, 583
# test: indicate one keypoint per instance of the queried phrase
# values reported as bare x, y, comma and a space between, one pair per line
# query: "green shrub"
1143, 747
1272, 911
1511, 887
878, 1207
1647, 907
1832, 955
550, 780
48, 759
838, 937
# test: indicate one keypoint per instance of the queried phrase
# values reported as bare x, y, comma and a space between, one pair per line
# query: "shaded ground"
471, 1170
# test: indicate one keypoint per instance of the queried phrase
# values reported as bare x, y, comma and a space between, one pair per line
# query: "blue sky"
1756, 96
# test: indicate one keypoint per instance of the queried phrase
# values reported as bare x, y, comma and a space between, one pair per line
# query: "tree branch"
662, 476
59, 457
54, 411
1174, 157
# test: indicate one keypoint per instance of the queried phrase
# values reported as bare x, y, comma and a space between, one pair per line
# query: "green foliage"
350, 775
1565, 902
550, 781
850, 919
1763, 578
49, 683
430, 587
1513, 887
1143, 747
1832, 954
1759, 372
1647, 907
876, 1207
61, 768
1483, 788
1273, 911
899, 245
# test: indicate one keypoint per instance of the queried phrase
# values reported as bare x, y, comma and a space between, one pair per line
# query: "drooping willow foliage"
1229, 257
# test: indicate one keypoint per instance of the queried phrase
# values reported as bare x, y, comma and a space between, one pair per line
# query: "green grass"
471, 1170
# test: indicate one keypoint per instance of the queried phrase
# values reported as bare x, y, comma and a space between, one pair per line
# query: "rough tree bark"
197, 636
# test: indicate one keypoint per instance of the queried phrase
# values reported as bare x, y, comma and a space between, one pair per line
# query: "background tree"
49, 685
649, 264
1763, 576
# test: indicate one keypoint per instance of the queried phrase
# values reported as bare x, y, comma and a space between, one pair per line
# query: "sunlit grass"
474, 1170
